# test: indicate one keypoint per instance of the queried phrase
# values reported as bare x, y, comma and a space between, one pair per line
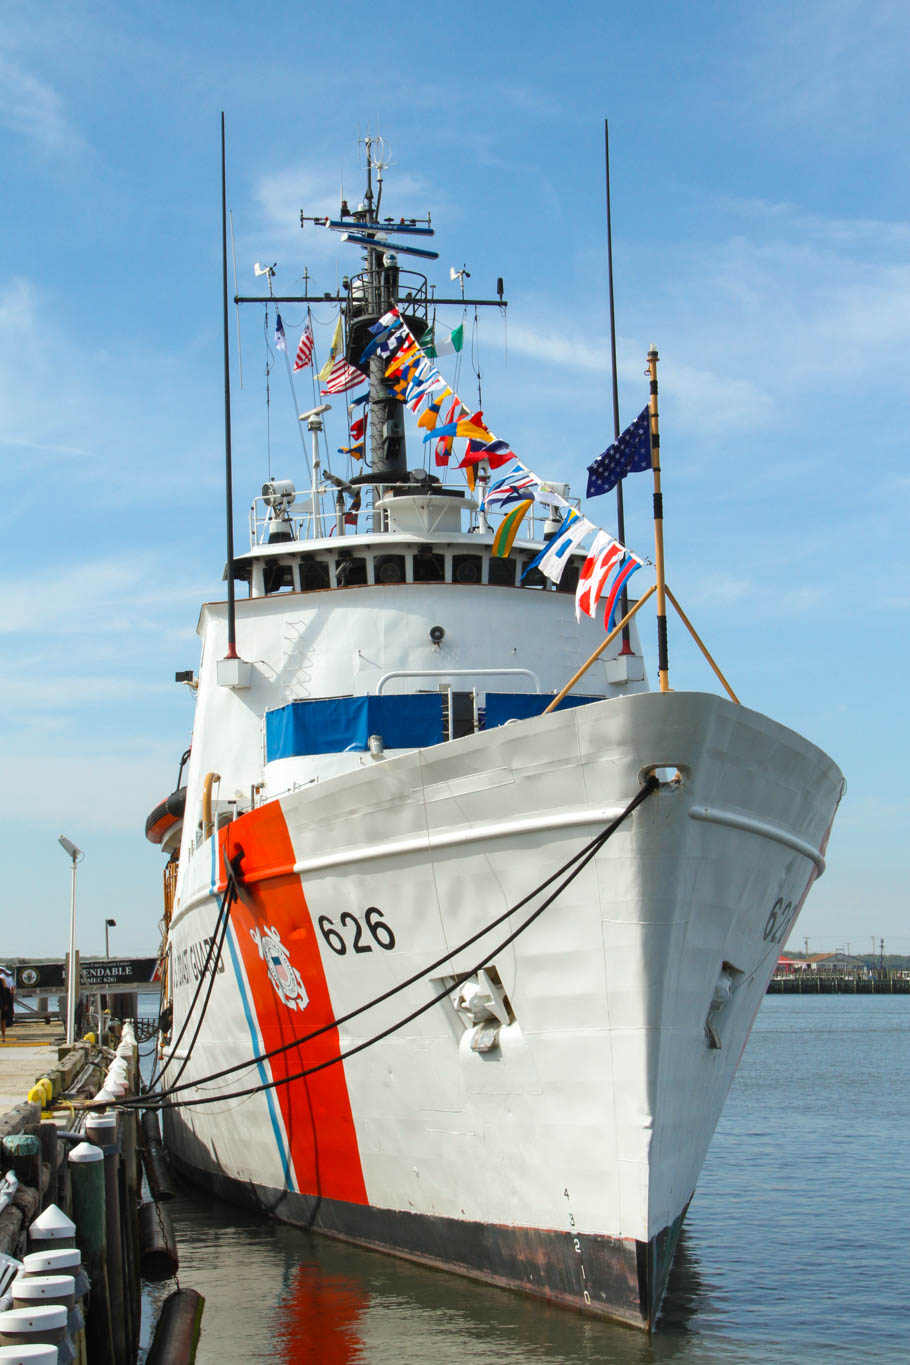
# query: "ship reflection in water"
281, 1294
771, 1268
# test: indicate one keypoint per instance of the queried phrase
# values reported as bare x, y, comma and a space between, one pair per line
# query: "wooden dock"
812, 983
30, 1051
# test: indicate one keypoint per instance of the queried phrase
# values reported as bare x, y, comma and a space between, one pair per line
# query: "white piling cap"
106, 1122
35, 1353
44, 1317
104, 1096
52, 1262
52, 1225
86, 1151
40, 1287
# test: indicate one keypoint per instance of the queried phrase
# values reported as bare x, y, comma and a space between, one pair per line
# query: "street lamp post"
108, 925
76, 855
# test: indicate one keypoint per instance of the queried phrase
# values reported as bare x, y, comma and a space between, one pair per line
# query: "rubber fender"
177, 1330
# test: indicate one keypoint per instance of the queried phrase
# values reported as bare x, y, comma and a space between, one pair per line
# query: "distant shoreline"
800, 983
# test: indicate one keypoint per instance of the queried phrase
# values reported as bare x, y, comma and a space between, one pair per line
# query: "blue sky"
761, 241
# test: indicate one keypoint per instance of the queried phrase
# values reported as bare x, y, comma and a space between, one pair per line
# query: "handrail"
208, 823
457, 673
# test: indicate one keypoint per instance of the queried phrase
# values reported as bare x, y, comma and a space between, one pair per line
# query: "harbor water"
795, 1249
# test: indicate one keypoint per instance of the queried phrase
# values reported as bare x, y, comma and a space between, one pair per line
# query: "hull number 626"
350, 927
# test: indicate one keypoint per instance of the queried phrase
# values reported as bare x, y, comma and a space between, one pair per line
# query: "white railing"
306, 520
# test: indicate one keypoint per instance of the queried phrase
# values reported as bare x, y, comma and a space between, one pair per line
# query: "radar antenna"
379, 157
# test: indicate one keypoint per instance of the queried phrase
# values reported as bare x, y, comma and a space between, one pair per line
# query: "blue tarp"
337, 725
503, 706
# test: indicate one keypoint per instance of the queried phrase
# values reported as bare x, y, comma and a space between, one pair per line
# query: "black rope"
230, 895
393, 990
230, 891
581, 860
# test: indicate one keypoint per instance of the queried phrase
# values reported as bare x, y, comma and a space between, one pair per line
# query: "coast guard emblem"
283, 975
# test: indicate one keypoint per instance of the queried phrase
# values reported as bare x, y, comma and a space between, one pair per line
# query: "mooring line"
581, 859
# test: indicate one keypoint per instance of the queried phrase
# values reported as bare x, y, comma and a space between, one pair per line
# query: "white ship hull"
561, 1160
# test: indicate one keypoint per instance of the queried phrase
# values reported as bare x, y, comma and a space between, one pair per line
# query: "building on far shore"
823, 964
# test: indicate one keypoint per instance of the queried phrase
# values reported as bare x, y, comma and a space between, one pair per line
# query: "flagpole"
626, 647
662, 664
231, 652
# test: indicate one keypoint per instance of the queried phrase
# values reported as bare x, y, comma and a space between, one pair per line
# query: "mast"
365, 297
231, 652
620, 511
387, 440
653, 420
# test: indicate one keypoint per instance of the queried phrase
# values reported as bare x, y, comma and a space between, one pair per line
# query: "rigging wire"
231, 890
268, 395
224, 914
650, 785
402, 985
581, 859
296, 406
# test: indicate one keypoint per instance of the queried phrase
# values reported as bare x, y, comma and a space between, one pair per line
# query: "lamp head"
70, 848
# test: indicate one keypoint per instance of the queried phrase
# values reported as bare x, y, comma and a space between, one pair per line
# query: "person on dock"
7, 1000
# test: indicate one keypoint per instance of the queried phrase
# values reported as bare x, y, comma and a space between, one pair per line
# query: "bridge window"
467, 568
350, 572
314, 574
535, 579
389, 569
502, 572
277, 575
569, 580
429, 567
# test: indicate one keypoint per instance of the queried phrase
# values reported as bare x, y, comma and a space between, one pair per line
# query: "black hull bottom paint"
609, 1276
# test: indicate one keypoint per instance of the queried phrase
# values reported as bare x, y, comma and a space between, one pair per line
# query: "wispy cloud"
49, 787
281, 195
693, 390
36, 111
559, 349
109, 596
75, 411
812, 62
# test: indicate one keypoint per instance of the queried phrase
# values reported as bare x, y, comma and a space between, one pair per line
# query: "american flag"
343, 376
304, 350
630, 453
